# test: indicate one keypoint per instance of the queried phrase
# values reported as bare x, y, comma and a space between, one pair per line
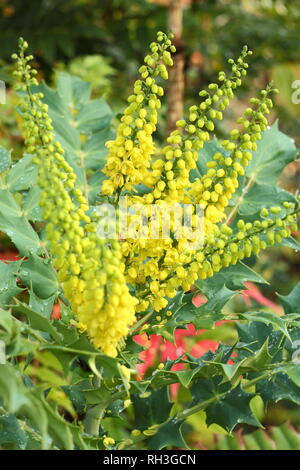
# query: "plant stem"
240, 199
94, 414
140, 322
93, 419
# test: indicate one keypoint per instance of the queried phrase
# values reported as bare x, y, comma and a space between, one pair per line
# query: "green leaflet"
8, 278
291, 302
82, 126
274, 151
39, 274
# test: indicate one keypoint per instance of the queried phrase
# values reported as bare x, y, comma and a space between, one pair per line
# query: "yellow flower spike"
134, 143
78, 254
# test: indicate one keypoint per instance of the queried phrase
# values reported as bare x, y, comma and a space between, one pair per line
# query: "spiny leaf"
274, 151
291, 302
40, 274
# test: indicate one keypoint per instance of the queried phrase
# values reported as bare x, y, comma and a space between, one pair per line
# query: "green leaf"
269, 319
22, 175
12, 391
232, 277
19, 230
232, 409
152, 410
293, 372
223, 405
8, 278
169, 434
38, 321
30, 206
289, 242
8, 204
253, 335
58, 428
205, 155
93, 116
40, 274
94, 151
72, 90
42, 306
291, 302
259, 359
254, 362
5, 159
82, 126
261, 195
279, 387
274, 151
12, 437
216, 302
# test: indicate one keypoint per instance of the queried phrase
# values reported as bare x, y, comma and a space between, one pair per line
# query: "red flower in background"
9, 255
253, 292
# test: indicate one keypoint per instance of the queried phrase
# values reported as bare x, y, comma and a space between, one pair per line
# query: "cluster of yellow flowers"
89, 268
96, 272
130, 153
158, 266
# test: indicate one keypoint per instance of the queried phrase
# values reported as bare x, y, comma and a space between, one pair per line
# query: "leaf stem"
241, 198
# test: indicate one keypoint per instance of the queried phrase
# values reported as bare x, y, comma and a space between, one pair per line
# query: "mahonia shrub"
75, 378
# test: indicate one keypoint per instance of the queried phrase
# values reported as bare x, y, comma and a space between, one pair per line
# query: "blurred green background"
104, 41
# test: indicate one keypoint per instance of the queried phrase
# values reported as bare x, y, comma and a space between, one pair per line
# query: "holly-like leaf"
38, 321
5, 159
82, 126
8, 279
274, 151
263, 195
268, 318
19, 230
22, 175
224, 405
39, 274
30, 206
293, 372
12, 437
232, 409
169, 434
279, 387
42, 306
8, 204
291, 302
232, 277
153, 409
94, 151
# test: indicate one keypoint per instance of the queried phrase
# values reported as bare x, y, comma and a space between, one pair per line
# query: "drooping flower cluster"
88, 267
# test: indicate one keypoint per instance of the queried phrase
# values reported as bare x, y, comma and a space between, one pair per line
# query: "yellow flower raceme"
94, 272
159, 258
130, 153
170, 175
214, 190
89, 268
